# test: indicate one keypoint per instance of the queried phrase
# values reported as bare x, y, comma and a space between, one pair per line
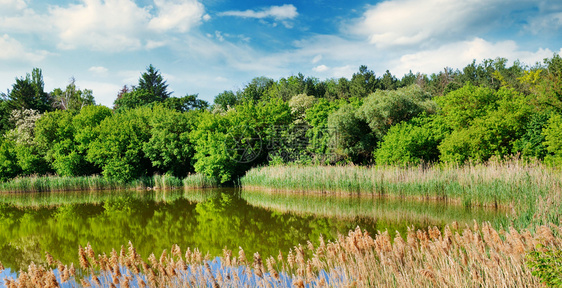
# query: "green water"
31, 224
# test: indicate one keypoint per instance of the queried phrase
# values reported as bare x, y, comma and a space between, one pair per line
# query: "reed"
199, 181
475, 256
523, 186
64, 183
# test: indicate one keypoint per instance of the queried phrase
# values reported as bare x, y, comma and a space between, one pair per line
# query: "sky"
205, 47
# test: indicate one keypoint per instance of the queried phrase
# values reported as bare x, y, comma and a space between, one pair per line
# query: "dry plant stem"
478, 256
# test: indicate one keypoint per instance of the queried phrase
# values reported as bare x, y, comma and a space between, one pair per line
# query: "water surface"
210, 220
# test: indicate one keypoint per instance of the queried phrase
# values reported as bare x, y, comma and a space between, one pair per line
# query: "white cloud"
316, 58
320, 68
177, 15
287, 11
111, 25
11, 6
98, 70
415, 22
462, 53
12, 49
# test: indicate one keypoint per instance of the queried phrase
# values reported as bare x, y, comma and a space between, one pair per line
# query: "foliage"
118, 148
413, 142
72, 98
547, 266
553, 140
385, 108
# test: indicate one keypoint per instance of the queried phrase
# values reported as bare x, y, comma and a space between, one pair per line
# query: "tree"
351, 136
186, 103
28, 93
412, 142
386, 108
118, 149
364, 82
152, 82
553, 140
72, 98
152, 88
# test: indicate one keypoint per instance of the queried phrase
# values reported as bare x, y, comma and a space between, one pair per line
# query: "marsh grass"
472, 256
54, 183
521, 186
63, 183
199, 181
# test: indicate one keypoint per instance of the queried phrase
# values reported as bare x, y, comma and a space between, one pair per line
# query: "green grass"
531, 190
199, 181
96, 183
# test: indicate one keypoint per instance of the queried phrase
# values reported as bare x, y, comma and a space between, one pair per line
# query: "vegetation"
456, 116
477, 256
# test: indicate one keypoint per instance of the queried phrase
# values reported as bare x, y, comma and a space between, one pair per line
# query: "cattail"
50, 259
85, 283
227, 254
1, 267
270, 262
84, 263
90, 251
241, 256
65, 275
72, 270
258, 265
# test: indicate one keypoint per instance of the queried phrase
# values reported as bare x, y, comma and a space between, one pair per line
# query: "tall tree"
29, 93
153, 82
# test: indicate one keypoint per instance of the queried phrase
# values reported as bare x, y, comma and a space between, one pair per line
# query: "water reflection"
209, 220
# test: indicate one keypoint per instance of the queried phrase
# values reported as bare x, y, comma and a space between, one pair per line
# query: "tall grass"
477, 256
63, 183
492, 183
199, 181
532, 190
96, 182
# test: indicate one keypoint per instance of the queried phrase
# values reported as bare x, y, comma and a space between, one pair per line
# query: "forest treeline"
484, 110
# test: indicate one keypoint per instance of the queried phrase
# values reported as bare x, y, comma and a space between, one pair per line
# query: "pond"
210, 220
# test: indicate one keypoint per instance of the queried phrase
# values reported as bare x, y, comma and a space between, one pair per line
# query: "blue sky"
209, 46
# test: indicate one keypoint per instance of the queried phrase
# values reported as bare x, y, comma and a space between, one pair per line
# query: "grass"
476, 256
199, 181
532, 190
96, 182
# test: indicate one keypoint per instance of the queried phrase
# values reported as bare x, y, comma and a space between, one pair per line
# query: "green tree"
386, 108
553, 140
169, 148
29, 93
153, 82
412, 142
72, 98
151, 88
118, 149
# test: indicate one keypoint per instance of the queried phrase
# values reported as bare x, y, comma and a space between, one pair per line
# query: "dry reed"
477, 256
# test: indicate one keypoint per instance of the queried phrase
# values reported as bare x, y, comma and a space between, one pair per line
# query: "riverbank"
532, 190
96, 182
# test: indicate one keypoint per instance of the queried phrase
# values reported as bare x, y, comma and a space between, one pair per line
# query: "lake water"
210, 220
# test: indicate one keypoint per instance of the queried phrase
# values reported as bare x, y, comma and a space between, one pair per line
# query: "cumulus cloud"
98, 69
14, 50
177, 15
11, 6
320, 68
112, 25
415, 22
287, 11
104, 25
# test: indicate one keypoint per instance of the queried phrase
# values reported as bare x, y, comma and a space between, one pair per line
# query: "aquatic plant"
477, 256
